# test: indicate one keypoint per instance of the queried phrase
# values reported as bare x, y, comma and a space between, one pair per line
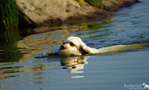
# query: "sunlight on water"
21, 66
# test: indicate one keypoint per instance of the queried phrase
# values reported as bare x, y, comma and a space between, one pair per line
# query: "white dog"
145, 86
76, 44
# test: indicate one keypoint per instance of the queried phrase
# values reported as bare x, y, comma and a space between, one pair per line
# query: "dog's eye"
72, 44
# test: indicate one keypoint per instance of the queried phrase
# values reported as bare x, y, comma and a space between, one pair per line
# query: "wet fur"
76, 44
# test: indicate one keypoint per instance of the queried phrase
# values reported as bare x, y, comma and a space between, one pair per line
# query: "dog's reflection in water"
75, 64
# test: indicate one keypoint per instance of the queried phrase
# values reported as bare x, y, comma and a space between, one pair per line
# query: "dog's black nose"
63, 47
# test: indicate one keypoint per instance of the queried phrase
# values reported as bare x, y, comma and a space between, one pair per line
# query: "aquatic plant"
8, 15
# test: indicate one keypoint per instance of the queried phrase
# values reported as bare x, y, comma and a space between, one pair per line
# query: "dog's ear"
84, 50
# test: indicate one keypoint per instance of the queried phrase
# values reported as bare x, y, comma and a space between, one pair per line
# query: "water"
19, 69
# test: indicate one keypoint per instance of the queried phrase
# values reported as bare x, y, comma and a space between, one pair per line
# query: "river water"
20, 69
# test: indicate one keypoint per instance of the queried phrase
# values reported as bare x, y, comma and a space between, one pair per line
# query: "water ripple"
19, 68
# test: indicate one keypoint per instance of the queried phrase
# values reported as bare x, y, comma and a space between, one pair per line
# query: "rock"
51, 11
56, 12
115, 5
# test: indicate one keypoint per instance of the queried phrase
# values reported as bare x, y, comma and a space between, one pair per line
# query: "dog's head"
74, 43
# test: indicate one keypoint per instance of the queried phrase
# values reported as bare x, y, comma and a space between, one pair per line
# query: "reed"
8, 15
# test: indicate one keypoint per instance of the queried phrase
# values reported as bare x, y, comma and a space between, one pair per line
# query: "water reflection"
9, 51
37, 72
75, 64
26, 73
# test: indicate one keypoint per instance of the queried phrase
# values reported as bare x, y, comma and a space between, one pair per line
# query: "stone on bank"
55, 12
